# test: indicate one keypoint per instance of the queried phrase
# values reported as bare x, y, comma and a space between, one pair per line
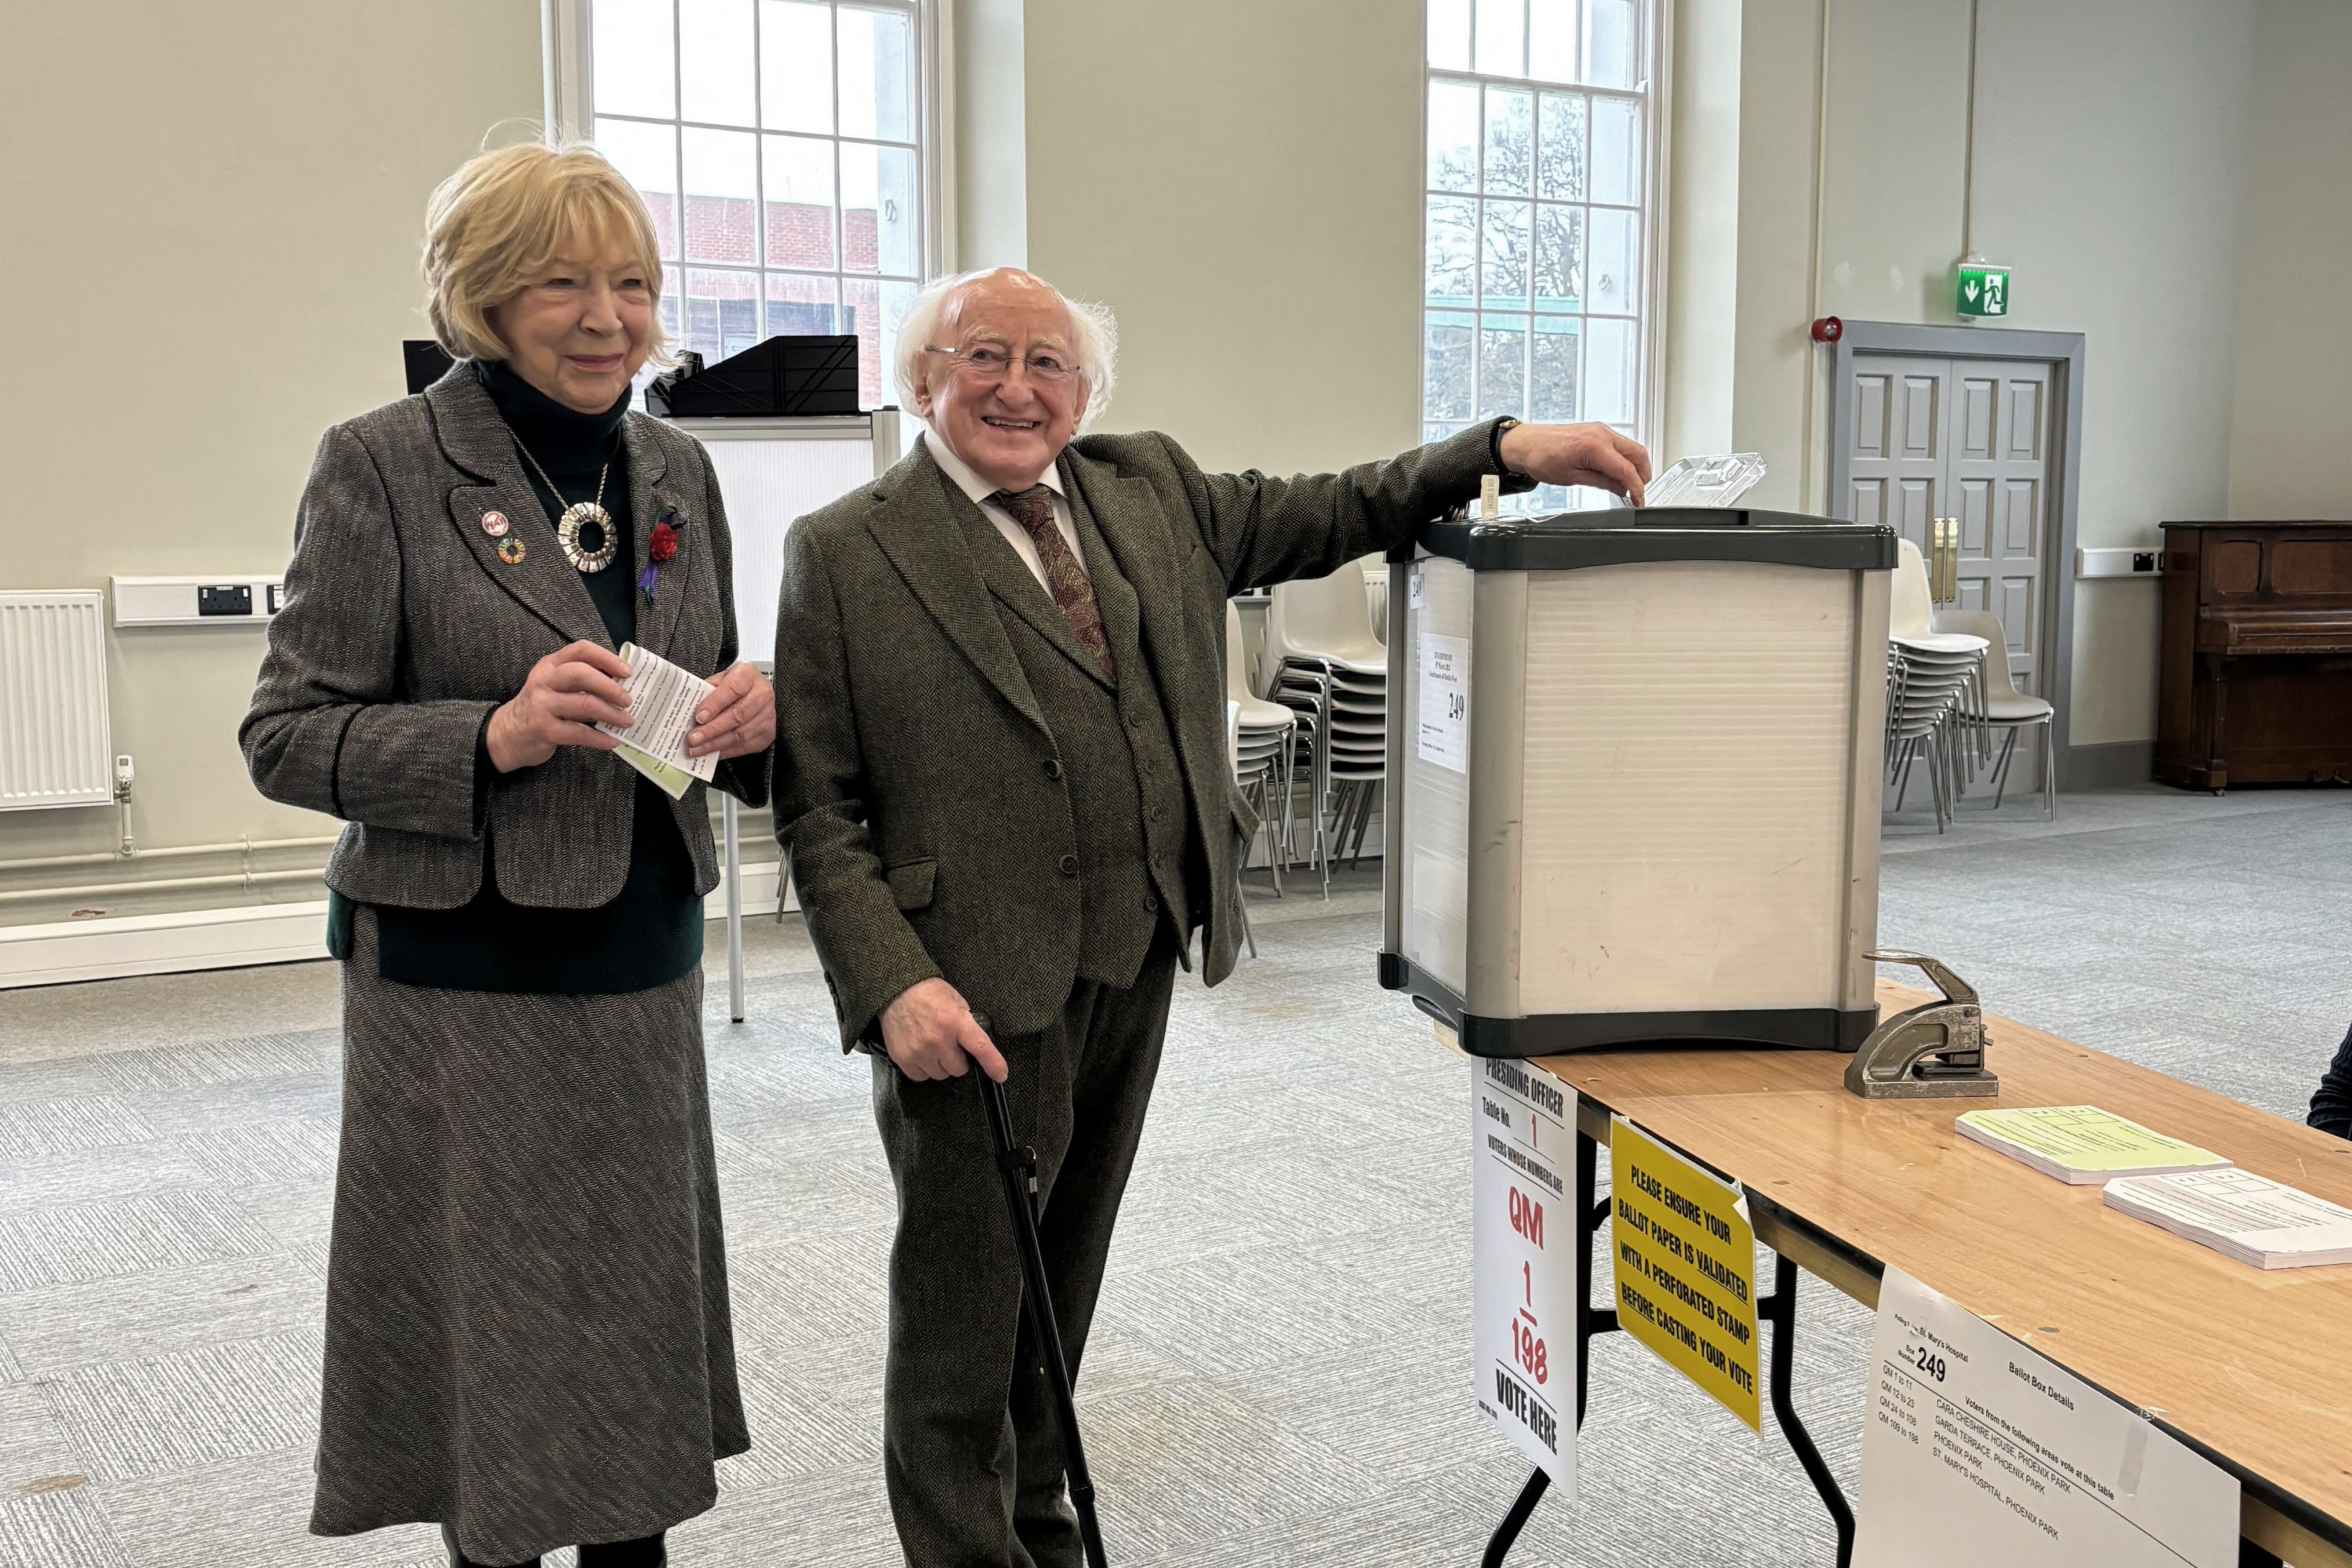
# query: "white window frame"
569, 87
1652, 91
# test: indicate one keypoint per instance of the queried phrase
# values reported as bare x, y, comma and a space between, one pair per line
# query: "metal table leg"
734, 909
1782, 1306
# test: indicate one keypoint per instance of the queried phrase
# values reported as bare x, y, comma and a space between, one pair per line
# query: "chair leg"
2001, 768
1241, 906
2049, 774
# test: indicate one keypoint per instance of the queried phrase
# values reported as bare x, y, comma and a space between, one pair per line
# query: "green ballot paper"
662, 700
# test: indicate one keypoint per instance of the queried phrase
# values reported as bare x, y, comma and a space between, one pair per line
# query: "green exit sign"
1983, 290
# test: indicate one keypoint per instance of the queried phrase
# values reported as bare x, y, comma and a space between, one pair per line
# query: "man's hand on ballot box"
1590, 454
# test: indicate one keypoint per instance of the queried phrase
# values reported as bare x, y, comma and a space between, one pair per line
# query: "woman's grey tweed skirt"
527, 1324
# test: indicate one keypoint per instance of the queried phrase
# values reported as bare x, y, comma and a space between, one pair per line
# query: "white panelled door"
1967, 439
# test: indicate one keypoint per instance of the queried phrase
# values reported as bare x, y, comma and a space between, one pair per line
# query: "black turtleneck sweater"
651, 932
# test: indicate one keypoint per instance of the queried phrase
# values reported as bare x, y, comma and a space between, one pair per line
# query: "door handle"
1944, 574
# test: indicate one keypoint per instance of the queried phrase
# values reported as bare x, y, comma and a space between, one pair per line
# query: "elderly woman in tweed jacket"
528, 1340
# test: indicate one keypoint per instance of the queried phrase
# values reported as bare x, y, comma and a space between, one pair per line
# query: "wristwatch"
1496, 447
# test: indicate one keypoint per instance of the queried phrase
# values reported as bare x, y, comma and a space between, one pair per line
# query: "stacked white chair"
1323, 663
1936, 692
2005, 708
1262, 748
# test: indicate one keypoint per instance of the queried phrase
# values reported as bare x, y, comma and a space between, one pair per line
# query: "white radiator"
55, 749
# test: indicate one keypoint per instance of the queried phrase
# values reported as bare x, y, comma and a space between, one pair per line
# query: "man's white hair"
1094, 344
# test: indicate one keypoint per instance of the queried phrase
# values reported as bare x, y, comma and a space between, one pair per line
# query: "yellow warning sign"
1685, 1267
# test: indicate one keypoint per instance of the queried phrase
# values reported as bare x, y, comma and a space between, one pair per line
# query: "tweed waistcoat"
1127, 794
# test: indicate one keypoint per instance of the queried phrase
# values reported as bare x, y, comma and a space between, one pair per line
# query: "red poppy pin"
659, 548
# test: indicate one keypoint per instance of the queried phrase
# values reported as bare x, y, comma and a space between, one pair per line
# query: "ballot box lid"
1622, 536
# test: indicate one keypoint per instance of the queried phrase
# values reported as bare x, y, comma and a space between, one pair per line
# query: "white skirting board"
108, 949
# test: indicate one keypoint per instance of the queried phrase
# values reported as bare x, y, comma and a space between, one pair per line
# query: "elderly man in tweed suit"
1003, 789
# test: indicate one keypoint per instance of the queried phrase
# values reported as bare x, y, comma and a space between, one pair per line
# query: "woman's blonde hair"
505, 215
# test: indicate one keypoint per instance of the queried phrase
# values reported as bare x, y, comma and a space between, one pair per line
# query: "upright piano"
2256, 680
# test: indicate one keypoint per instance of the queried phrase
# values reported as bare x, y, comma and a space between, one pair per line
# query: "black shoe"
459, 1560
647, 1552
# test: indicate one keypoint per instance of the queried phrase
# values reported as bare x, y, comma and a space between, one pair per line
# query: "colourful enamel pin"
510, 551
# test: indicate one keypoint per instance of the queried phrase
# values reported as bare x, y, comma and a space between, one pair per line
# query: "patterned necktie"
1065, 579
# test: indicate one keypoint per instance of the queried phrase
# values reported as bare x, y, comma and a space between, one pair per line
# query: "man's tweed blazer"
919, 796
403, 629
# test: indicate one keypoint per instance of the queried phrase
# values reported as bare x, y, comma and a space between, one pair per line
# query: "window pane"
1559, 169
1504, 253
877, 74
1616, 151
722, 187
1616, 262
1610, 60
877, 210
1502, 368
1451, 277
1502, 39
1553, 396
1452, 136
896, 297
646, 156
1445, 368
1609, 378
633, 62
801, 307
1510, 141
1560, 258
1552, 40
871, 312
722, 312
1449, 34
796, 67
797, 172
714, 39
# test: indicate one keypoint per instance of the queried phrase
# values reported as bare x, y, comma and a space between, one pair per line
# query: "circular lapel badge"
510, 551
495, 524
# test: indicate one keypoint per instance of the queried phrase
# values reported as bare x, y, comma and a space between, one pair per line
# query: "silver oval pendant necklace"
580, 517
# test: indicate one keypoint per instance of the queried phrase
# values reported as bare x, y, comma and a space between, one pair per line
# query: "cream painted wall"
1240, 181
213, 214
2291, 429
2111, 157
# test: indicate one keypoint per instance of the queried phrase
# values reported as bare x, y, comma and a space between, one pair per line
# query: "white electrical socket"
2127, 562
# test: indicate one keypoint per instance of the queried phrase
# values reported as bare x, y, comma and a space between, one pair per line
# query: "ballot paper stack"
2239, 1215
2081, 1145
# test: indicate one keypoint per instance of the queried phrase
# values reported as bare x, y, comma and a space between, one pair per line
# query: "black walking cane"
1018, 1168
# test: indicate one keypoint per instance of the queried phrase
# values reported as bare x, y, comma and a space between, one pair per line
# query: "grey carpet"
1281, 1368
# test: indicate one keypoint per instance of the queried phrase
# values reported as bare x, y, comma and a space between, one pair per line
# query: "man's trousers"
972, 1455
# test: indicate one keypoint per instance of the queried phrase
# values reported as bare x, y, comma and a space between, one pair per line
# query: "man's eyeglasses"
992, 364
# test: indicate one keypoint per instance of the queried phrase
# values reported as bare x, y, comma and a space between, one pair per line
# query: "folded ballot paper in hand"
662, 700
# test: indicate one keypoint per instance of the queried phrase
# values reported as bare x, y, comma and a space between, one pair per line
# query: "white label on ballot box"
1445, 701
1975, 1449
1523, 1260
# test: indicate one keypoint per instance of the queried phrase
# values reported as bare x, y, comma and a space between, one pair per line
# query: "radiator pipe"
106, 857
171, 884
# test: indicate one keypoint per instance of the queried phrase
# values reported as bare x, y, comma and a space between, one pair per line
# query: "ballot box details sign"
1524, 1237
1685, 1261
1978, 1449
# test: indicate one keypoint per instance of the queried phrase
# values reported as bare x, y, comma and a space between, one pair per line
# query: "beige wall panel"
2111, 153
2289, 457
1240, 181
213, 214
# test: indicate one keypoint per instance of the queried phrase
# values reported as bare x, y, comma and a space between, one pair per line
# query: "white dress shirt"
980, 489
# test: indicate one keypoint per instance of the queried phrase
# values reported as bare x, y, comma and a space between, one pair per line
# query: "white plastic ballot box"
1633, 762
